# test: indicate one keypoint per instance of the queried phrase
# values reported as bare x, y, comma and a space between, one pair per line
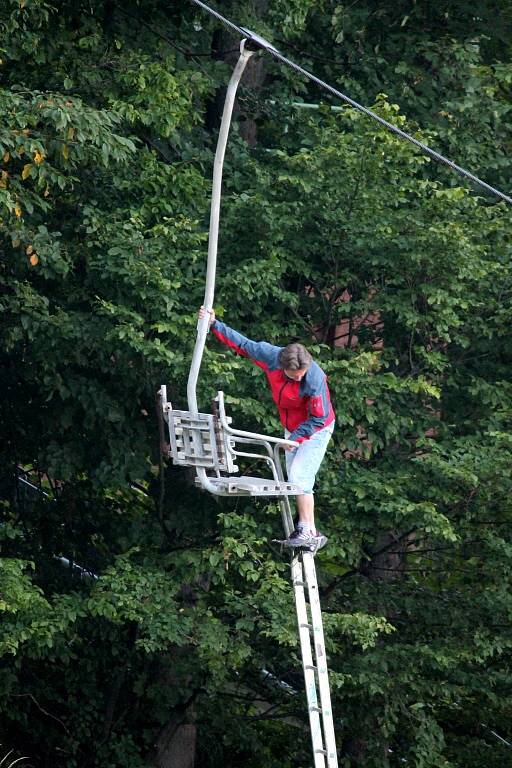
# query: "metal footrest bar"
251, 486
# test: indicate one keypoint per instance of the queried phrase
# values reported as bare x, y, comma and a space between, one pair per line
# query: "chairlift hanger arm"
248, 46
202, 326
213, 236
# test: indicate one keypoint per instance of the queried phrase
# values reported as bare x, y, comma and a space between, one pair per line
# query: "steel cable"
334, 91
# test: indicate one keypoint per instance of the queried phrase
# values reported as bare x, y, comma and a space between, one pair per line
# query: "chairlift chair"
207, 441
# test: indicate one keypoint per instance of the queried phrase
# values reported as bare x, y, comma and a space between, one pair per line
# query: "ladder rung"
310, 666
308, 626
315, 709
299, 584
320, 752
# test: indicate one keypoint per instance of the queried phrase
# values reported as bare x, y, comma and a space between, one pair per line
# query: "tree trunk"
389, 562
224, 47
176, 746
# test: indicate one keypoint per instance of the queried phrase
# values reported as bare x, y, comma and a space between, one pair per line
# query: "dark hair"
294, 357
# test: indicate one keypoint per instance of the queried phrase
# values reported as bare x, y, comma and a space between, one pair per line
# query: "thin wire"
188, 54
218, 16
389, 126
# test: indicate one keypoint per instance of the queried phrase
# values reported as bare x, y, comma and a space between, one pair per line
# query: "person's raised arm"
260, 352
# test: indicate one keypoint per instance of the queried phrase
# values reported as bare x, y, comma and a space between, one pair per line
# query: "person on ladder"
299, 389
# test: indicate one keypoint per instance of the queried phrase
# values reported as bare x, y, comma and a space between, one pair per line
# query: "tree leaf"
27, 168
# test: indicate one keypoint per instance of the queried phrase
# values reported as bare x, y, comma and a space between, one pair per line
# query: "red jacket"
304, 406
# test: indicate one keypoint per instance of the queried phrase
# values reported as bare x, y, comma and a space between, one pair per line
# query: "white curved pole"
213, 237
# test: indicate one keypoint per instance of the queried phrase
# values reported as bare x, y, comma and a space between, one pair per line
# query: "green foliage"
333, 233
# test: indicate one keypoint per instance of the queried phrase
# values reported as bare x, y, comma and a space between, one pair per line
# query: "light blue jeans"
303, 463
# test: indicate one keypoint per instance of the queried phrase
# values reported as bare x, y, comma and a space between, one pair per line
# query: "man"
299, 389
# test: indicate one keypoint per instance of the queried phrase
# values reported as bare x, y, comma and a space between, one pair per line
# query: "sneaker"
298, 539
320, 539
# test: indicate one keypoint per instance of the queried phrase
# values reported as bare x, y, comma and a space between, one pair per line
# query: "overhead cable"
265, 45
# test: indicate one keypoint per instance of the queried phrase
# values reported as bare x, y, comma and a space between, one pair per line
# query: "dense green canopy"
335, 233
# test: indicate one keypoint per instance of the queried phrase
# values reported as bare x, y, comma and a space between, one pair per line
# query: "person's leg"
306, 510
302, 465
305, 503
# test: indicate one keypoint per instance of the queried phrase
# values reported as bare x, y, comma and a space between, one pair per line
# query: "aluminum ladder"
312, 646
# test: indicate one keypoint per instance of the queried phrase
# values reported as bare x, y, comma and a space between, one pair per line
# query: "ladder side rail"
321, 658
307, 663
284, 503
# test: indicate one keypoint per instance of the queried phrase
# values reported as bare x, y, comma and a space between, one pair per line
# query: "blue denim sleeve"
260, 352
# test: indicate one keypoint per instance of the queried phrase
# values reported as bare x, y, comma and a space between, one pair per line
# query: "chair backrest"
199, 441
